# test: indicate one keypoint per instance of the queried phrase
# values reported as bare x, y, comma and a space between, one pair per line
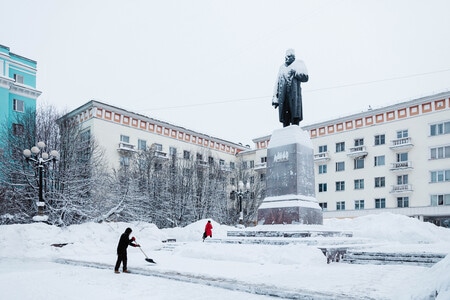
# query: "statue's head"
290, 56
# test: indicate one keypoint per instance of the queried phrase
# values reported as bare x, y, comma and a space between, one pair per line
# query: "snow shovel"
146, 257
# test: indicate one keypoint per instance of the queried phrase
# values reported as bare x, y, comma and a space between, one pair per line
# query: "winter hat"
128, 230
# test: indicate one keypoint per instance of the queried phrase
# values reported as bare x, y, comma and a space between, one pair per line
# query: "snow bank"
392, 228
194, 231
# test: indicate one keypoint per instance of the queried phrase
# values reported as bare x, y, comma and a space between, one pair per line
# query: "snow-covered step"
382, 258
170, 246
320, 242
288, 234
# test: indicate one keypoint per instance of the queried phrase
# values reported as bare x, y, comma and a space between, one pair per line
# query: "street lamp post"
240, 195
37, 156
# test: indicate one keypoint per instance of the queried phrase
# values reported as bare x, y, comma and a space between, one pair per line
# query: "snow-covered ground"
30, 268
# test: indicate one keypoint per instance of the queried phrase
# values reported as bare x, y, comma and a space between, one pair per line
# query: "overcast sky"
211, 65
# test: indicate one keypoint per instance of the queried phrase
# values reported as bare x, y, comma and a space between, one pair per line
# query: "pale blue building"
18, 93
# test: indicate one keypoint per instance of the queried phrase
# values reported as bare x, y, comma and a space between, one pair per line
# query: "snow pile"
392, 228
439, 276
194, 231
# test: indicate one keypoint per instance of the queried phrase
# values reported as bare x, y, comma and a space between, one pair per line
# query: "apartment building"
18, 92
121, 133
392, 159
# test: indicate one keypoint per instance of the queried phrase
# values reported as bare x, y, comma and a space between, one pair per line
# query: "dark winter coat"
208, 229
124, 241
288, 92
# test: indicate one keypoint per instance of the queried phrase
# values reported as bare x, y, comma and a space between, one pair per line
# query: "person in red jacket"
208, 230
122, 250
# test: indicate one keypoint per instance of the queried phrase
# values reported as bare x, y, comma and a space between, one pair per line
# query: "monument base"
289, 210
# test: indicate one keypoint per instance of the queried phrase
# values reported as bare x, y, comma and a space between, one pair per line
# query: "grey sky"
211, 65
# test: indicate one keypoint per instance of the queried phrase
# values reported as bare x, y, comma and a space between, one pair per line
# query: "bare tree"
171, 191
149, 185
251, 198
73, 187
17, 180
82, 188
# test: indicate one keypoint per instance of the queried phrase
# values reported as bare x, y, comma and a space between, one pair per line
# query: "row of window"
440, 176
359, 204
435, 176
435, 153
436, 200
440, 128
442, 199
358, 163
142, 146
378, 183
380, 139
379, 203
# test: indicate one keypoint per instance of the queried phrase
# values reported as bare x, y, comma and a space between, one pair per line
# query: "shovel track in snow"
221, 282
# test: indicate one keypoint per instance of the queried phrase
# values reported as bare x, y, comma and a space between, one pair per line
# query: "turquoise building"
18, 93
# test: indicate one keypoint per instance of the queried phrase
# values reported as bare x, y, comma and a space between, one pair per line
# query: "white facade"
393, 159
120, 133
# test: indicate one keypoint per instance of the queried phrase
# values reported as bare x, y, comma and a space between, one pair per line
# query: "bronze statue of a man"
287, 96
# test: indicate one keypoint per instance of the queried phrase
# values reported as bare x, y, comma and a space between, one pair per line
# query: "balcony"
401, 144
401, 166
321, 157
225, 168
126, 147
202, 163
161, 155
357, 152
260, 167
401, 188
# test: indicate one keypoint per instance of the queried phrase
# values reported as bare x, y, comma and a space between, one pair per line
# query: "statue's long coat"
288, 92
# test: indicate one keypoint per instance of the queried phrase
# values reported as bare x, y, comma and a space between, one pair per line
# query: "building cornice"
22, 57
24, 90
372, 112
110, 113
399, 111
262, 142
19, 89
5, 82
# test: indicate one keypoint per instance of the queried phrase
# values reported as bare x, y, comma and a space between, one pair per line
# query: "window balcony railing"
401, 166
225, 168
322, 156
358, 151
202, 163
126, 147
401, 144
160, 154
260, 166
401, 188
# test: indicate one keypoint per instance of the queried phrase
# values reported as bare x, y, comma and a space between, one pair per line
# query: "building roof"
98, 104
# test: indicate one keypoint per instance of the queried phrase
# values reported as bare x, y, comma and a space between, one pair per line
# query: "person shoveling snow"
124, 241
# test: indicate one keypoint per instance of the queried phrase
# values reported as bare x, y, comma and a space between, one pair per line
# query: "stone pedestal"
290, 180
